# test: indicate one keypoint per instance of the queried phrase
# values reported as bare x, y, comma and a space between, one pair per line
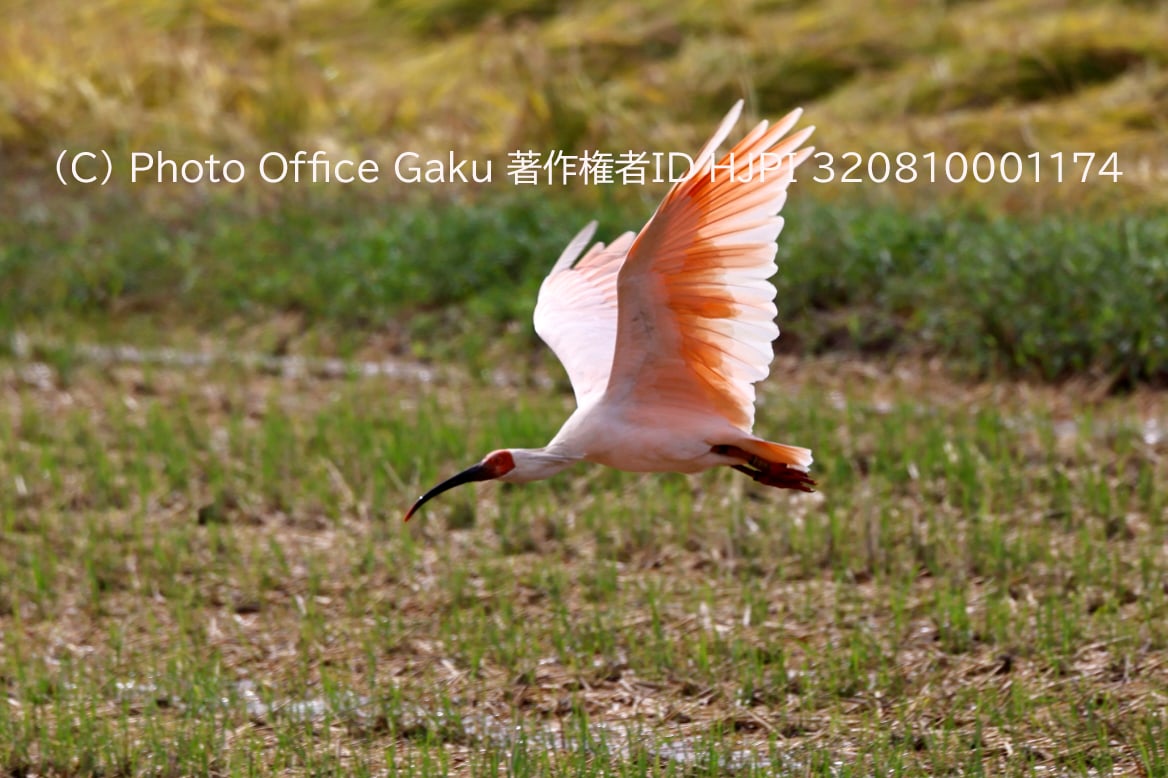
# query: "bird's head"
514, 465
496, 464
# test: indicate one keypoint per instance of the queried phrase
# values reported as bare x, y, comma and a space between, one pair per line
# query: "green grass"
206, 572
1045, 298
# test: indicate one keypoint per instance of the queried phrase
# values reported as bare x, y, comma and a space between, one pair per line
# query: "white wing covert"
576, 312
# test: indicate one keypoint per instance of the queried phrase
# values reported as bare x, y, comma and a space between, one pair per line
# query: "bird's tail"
772, 464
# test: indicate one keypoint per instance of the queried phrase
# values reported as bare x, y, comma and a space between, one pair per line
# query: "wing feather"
696, 316
576, 311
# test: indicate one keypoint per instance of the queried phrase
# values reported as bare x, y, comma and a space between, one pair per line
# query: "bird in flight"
664, 333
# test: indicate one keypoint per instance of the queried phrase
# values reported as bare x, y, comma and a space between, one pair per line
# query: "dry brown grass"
359, 81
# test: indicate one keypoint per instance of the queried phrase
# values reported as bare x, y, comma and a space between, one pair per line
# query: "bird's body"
641, 440
664, 333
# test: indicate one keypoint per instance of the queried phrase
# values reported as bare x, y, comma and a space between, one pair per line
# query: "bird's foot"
780, 476
777, 474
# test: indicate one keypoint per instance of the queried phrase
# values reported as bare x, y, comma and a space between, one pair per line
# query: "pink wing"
696, 318
575, 313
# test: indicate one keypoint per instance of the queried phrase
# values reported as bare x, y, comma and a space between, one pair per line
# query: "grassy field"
217, 402
204, 571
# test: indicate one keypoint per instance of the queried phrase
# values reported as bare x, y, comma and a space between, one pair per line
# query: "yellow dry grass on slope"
361, 79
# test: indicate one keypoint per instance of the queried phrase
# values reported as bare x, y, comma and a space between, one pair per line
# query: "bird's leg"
780, 476
777, 474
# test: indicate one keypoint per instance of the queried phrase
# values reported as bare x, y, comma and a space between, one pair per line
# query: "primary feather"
683, 314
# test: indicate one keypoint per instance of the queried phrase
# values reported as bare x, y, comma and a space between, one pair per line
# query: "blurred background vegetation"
368, 79
1048, 279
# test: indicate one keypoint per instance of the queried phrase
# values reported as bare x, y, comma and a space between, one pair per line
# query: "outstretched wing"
575, 313
696, 318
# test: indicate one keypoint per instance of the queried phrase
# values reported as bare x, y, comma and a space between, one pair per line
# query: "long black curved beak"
477, 472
